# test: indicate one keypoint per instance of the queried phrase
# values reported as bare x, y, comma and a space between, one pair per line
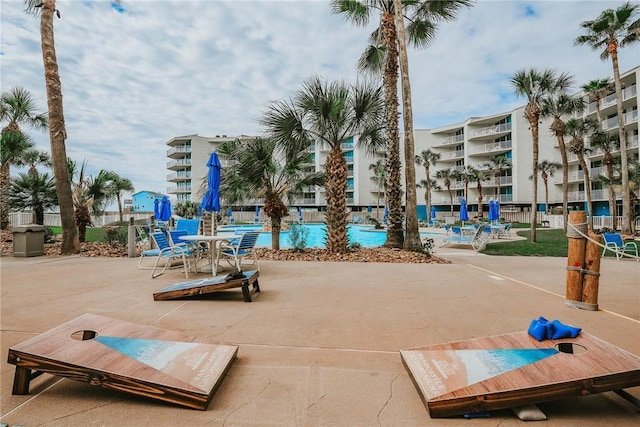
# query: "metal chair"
238, 249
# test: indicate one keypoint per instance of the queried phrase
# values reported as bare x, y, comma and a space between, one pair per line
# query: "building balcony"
493, 148
610, 100
611, 123
179, 151
179, 176
578, 176
492, 131
449, 141
581, 196
178, 189
493, 182
179, 164
451, 156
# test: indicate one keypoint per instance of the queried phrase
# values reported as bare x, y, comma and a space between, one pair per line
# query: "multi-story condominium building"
475, 142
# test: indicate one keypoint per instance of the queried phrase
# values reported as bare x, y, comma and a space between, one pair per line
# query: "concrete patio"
320, 344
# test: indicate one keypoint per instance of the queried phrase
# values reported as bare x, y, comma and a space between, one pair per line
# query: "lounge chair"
167, 252
238, 249
192, 226
614, 243
477, 240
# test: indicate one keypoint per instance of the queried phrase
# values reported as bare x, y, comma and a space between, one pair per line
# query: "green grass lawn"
93, 234
548, 243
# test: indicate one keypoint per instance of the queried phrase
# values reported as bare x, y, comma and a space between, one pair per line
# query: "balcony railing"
629, 117
627, 93
181, 162
455, 139
491, 130
453, 155
492, 147
179, 176
179, 149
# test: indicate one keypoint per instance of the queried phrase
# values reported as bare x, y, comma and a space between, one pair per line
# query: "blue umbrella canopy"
165, 209
492, 210
464, 214
211, 199
300, 214
229, 212
433, 212
257, 219
497, 209
386, 215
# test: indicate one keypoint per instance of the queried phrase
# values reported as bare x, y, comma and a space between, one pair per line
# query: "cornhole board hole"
123, 356
512, 370
249, 284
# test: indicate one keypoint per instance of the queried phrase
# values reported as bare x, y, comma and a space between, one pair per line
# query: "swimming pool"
366, 235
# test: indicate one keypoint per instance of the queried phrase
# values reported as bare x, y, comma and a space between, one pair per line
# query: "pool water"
366, 235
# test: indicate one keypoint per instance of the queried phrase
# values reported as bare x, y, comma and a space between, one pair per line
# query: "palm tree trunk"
587, 190
5, 176
276, 226
336, 187
534, 179
565, 182
412, 240
450, 199
395, 235
57, 132
480, 207
612, 196
427, 193
627, 227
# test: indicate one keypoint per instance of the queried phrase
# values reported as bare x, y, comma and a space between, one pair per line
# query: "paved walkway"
320, 344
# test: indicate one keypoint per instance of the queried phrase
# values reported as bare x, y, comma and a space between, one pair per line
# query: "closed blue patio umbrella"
165, 209
257, 218
433, 212
300, 215
385, 217
156, 208
211, 199
492, 210
464, 214
497, 209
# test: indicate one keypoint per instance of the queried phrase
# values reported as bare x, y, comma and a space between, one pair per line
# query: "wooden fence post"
592, 273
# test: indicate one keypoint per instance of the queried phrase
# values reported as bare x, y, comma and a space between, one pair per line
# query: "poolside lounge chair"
238, 249
167, 252
614, 243
477, 240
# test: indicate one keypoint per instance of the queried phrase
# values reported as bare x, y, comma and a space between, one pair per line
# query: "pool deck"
320, 344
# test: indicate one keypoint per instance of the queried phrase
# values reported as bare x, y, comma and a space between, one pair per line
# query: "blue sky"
135, 76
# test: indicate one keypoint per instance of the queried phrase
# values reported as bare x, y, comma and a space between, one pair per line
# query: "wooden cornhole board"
209, 285
123, 356
511, 370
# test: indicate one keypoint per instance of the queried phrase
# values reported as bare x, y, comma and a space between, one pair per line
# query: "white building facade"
471, 143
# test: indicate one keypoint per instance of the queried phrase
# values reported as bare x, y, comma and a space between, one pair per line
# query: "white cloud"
133, 80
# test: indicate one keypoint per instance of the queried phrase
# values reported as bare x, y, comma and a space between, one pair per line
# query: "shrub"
116, 236
49, 235
298, 236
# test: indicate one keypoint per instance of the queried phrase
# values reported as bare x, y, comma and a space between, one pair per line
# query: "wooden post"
131, 239
575, 258
592, 275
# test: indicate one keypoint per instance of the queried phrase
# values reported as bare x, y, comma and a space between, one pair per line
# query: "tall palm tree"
326, 114
536, 85
579, 130
497, 166
34, 158
606, 143
547, 169
381, 57
465, 176
557, 106
57, 132
428, 186
446, 175
17, 108
426, 159
82, 199
258, 170
380, 177
33, 191
611, 30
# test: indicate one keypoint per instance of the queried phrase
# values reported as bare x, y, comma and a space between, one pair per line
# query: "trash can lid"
27, 228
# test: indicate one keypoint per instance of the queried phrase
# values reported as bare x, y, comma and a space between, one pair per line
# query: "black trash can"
28, 240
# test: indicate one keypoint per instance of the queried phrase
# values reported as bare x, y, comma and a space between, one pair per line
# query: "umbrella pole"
214, 228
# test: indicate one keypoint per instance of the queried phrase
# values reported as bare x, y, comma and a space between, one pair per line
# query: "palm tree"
32, 159
381, 57
611, 30
117, 186
536, 85
558, 105
428, 187
606, 143
579, 130
446, 175
258, 170
596, 90
463, 175
478, 176
33, 191
547, 169
57, 131
497, 166
379, 176
326, 114
426, 159
17, 109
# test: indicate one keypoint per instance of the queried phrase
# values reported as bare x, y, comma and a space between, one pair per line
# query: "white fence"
53, 219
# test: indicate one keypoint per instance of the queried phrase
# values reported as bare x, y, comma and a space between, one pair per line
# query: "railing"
610, 100
53, 219
492, 130
491, 147
458, 154
179, 149
629, 117
179, 175
181, 162
455, 139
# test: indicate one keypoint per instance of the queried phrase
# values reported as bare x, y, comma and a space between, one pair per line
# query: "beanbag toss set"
507, 371
118, 355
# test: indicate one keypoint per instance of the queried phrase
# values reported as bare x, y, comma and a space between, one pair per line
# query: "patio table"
213, 242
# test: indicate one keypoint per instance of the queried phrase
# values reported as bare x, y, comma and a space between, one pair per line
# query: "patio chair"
168, 252
200, 249
238, 249
614, 243
478, 240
